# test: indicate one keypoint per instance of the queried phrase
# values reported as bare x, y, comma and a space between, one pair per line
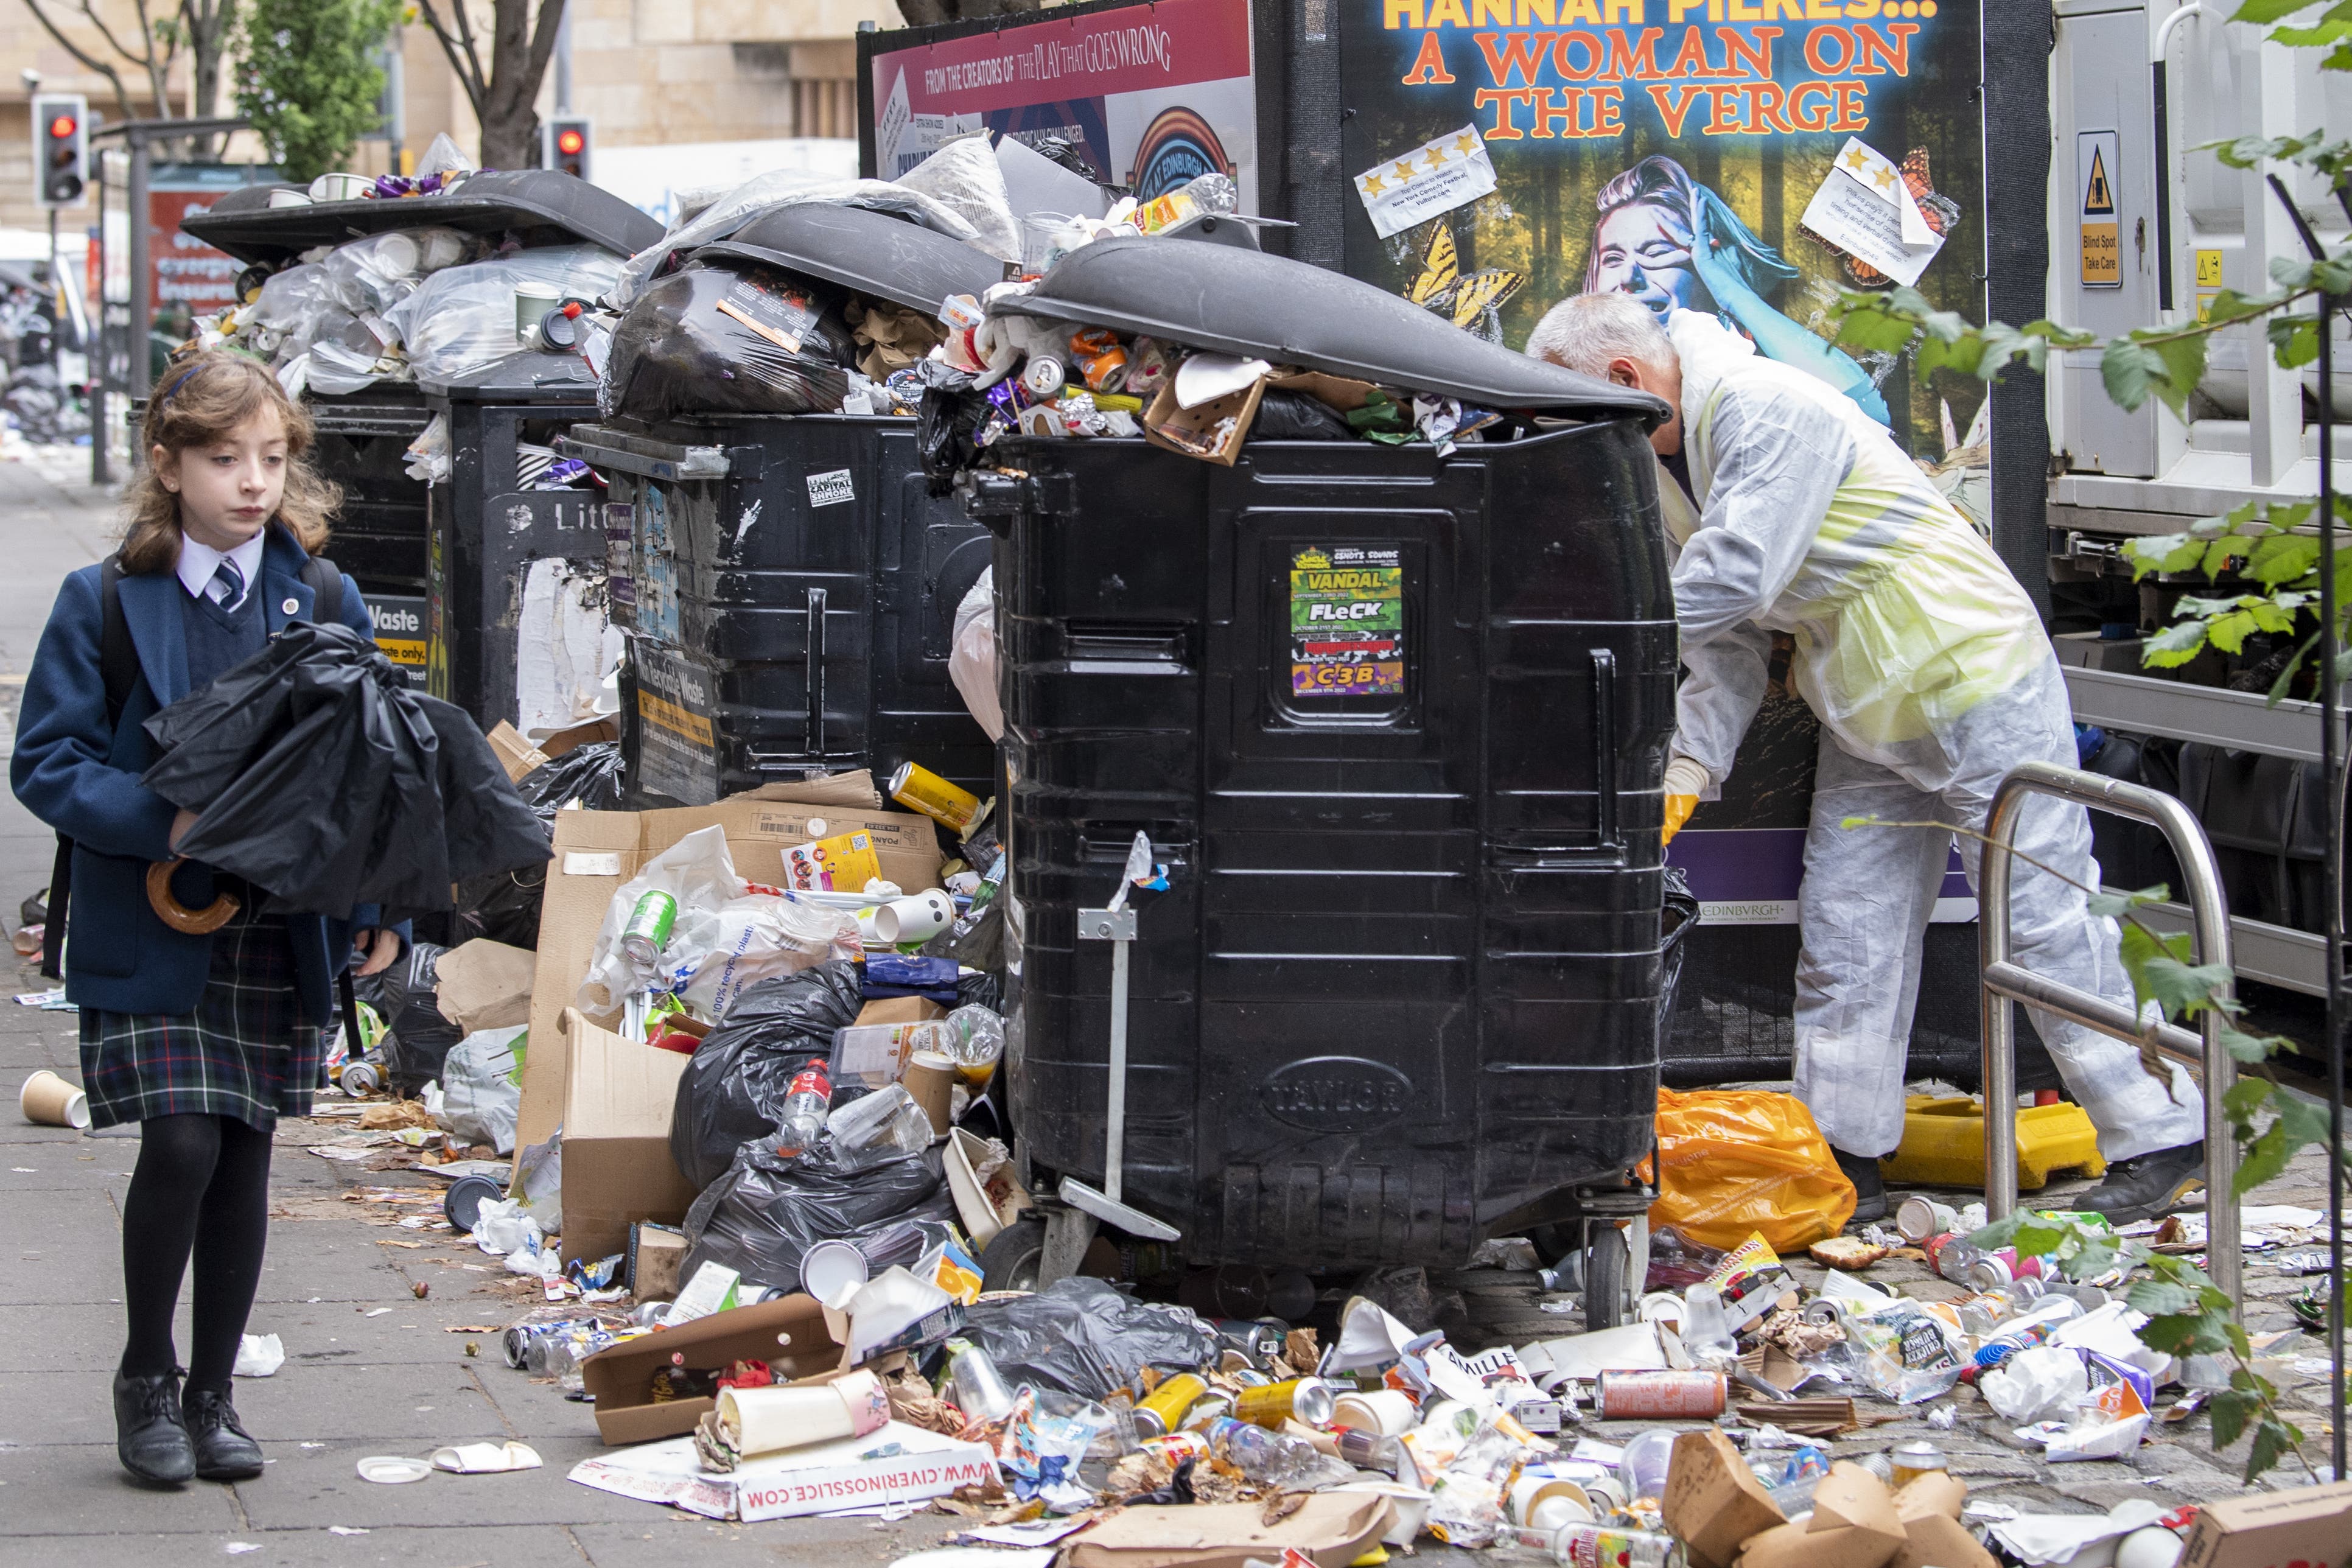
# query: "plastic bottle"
875, 1129
1706, 1333
974, 1384
1270, 1458
2030, 1327
804, 1108
1956, 1258
1370, 1451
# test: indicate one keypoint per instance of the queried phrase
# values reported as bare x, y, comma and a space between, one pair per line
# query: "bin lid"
1269, 307
542, 206
871, 252
527, 375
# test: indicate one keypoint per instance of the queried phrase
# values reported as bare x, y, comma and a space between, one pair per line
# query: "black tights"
202, 1183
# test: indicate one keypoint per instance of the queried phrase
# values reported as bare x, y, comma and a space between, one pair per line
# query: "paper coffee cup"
930, 1077
340, 187
917, 919
48, 1101
1386, 1411
531, 301
1546, 1502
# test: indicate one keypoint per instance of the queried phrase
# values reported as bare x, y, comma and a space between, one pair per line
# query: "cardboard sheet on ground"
1865, 208
1332, 1528
799, 1481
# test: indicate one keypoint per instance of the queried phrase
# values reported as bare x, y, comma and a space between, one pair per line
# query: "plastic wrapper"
504, 906
417, 1038
480, 1099
337, 370
381, 270
760, 936
766, 1210
288, 317
697, 873
945, 425
1736, 1162
463, 317
743, 337
781, 188
1083, 1337
877, 1128
965, 178
971, 655
2041, 1383
1905, 1354
735, 1085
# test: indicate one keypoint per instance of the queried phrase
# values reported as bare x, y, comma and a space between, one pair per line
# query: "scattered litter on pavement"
260, 1355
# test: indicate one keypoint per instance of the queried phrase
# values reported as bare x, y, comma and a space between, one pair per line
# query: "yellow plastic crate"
1943, 1143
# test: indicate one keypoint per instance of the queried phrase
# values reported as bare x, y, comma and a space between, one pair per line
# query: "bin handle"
815, 644
1604, 743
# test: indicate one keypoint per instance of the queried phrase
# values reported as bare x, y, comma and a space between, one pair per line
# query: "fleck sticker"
1347, 622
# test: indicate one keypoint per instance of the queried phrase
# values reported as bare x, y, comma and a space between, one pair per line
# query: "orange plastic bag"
1742, 1161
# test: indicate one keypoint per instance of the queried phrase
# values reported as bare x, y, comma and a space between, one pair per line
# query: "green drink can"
648, 931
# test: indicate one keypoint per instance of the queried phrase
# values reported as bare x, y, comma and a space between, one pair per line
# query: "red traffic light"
568, 142
63, 127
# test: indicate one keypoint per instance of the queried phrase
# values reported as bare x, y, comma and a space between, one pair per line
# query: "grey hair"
1584, 332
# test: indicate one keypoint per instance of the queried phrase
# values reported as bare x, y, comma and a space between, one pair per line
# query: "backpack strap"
118, 668
325, 581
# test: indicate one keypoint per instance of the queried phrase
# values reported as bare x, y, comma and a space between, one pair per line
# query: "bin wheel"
1011, 1261
1608, 1262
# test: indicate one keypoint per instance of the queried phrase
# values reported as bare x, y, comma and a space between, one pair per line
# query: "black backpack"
118, 666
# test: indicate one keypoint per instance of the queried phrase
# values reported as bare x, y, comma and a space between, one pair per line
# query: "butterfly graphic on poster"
1472, 301
1941, 212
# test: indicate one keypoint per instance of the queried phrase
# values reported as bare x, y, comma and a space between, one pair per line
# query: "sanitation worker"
1933, 677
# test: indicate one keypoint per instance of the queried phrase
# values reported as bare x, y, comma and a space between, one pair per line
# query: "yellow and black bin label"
400, 632
2096, 166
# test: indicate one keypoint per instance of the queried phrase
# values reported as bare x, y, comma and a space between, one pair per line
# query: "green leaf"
2299, 1122
2159, 1299
2183, 990
2130, 371
2094, 1258
2113, 905
2260, 11
2250, 1049
2294, 341
2282, 558
2188, 1334
2231, 1411
2273, 1440
2244, 1099
2229, 633
2174, 644
2163, 553
2000, 1233
2183, 359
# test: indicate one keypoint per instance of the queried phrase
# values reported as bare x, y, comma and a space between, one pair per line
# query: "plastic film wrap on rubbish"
766, 1209
964, 177
1083, 1337
971, 655
294, 310
464, 318
381, 270
782, 188
734, 1087
747, 340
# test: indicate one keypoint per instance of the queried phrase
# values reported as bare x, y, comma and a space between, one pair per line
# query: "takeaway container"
380, 534
1404, 989
788, 582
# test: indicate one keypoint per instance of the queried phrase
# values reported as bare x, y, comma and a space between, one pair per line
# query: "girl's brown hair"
197, 403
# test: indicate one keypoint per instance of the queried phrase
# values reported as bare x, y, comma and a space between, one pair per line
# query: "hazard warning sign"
2095, 154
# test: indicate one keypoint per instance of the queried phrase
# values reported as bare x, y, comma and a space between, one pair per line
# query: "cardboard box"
656, 1253
557, 743
1713, 1500
1165, 415
617, 1168
1334, 1529
596, 851
485, 984
1930, 1511
1854, 1525
815, 1479
2310, 1526
517, 755
900, 1010
789, 1335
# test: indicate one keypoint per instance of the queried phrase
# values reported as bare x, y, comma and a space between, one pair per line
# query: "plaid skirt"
245, 1052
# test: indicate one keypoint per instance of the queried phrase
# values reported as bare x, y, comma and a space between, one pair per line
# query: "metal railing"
2006, 983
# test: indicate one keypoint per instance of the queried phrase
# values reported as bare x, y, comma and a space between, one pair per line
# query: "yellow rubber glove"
1685, 779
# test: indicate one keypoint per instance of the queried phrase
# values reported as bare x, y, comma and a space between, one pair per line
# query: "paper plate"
393, 1469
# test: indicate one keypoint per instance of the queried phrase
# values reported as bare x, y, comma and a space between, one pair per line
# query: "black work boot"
224, 1452
2144, 1185
151, 1438
1869, 1187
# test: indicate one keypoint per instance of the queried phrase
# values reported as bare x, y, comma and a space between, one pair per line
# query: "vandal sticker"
1347, 622
831, 490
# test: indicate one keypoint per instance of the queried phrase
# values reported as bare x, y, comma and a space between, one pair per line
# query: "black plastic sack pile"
732, 1091
734, 337
504, 906
1084, 1338
417, 1037
319, 776
768, 1209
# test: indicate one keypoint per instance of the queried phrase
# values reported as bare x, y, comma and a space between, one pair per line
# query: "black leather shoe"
224, 1452
1869, 1187
151, 1438
2146, 1186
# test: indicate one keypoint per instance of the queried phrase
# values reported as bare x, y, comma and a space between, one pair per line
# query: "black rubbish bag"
768, 1209
418, 1038
318, 775
947, 418
732, 1091
1084, 1338
504, 906
730, 336
1294, 416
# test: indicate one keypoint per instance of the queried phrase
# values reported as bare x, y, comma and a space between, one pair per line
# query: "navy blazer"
82, 779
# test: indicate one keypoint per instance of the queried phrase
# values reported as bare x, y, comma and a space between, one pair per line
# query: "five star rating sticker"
1449, 171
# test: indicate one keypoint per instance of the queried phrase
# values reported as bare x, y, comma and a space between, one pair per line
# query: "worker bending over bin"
1933, 677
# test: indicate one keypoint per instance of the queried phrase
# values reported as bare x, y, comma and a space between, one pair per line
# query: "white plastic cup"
48, 1101
340, 187
918, 919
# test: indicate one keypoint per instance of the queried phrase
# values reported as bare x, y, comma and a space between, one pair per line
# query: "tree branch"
88, 61
467, 68
542, 40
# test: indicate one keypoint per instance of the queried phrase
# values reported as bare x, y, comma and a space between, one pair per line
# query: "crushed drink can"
1606, 1546
1305, 1399
648, 927
1661, 1395
919, 789
1100, 359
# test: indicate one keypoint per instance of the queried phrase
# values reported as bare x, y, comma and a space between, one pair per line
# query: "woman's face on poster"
1644, 252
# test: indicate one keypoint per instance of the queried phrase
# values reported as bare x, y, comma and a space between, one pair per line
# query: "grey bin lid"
1269, 307
870, 252
540, 206
527, 375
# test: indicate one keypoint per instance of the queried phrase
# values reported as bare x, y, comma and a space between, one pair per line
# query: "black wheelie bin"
792, 584
380, 536
1404, 989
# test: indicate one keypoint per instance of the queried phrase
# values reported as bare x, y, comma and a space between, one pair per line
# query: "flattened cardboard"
485, 984
789, 1335
517, 755
2310, 1525
596, 851
896, 1463
900, 1010
556, 742
617, 1168
1333, 1528
1854, 1525
1713, 1500
1337, 392
854, 789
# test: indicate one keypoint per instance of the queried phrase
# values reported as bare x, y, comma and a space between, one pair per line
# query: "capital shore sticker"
1347, 622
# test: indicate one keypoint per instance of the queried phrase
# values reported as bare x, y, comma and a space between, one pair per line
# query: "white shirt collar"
198, 562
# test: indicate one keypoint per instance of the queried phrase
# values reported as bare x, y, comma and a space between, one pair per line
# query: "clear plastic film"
463, 317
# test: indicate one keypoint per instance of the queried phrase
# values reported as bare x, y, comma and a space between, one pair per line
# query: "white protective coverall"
1933, 677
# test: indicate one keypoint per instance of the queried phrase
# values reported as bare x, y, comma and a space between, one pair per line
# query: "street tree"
310, 80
